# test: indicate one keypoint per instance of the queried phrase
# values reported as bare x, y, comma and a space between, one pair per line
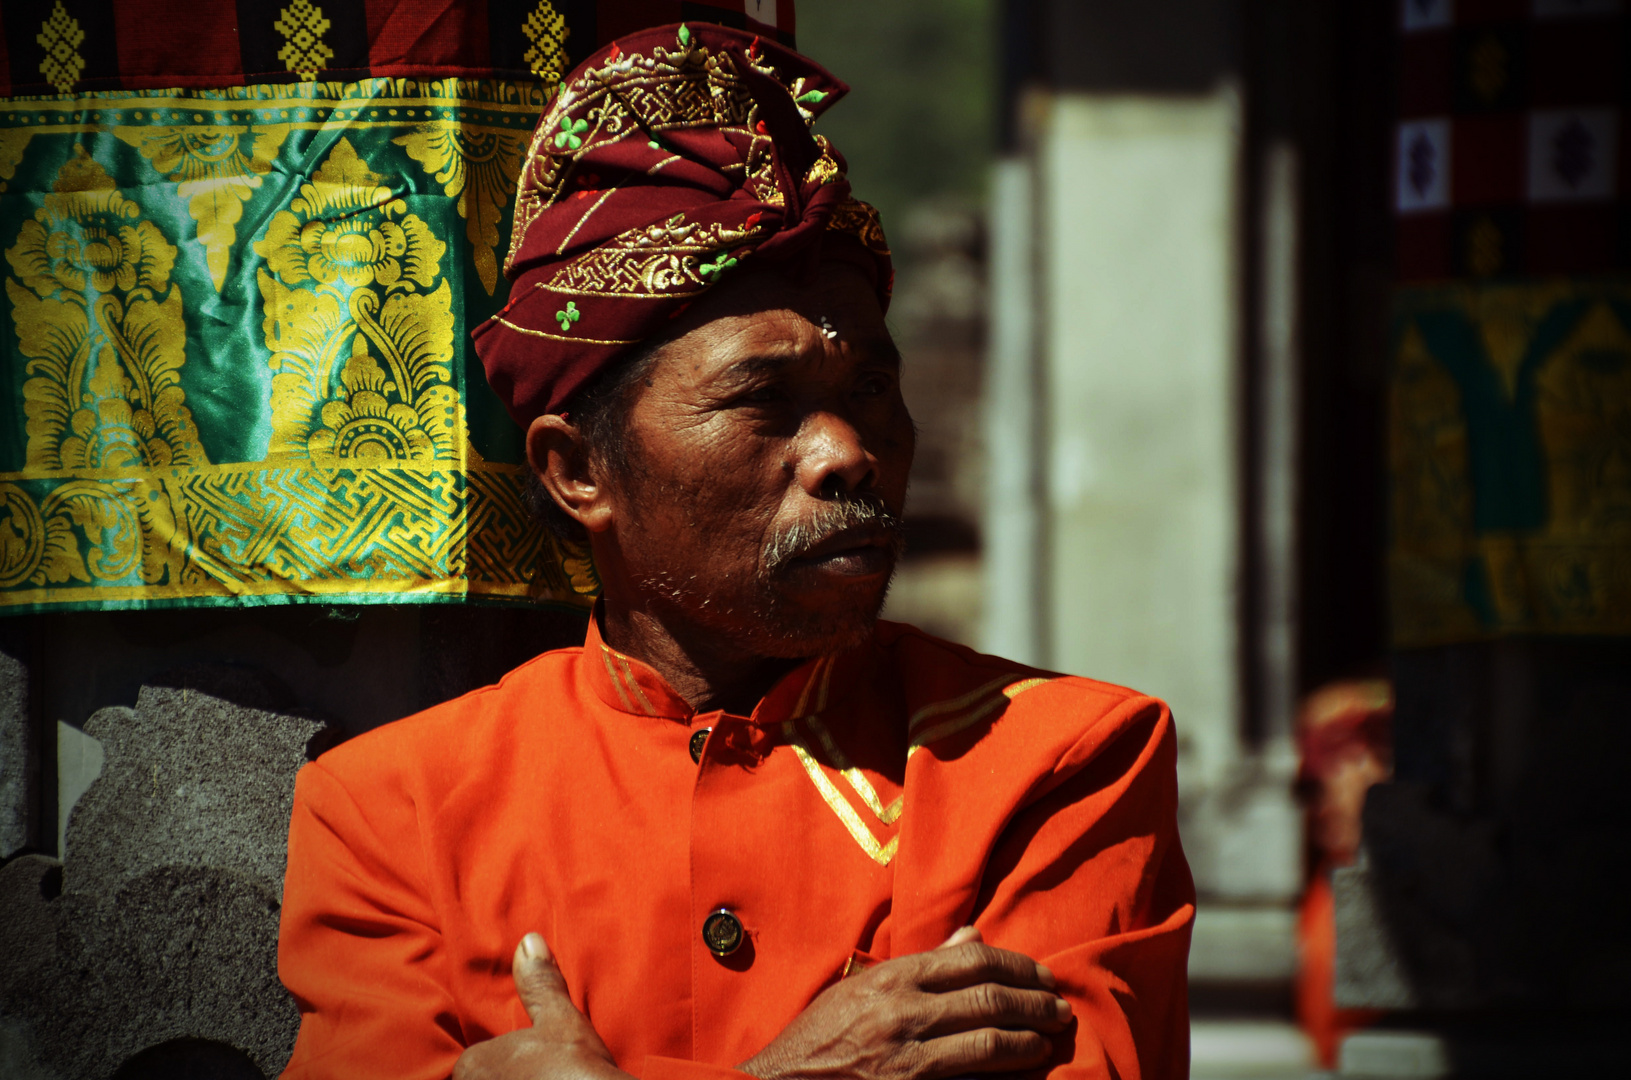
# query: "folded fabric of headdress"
668, 161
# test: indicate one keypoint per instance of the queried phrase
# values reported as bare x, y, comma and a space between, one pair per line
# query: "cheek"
898, 444
719, 490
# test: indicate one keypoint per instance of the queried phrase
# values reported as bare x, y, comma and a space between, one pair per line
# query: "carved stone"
161, 925
19, 747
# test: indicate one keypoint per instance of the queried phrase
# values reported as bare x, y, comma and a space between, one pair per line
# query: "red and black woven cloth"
68, 46
1512, 155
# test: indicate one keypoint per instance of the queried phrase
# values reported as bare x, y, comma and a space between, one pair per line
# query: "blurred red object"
1345, 740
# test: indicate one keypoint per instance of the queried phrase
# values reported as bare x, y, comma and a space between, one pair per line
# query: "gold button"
699, 739
722, 933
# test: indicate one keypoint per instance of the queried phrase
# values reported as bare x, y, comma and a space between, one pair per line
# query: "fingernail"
1045, 977
1062, 1007
534, 948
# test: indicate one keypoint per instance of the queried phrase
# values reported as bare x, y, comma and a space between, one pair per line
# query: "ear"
557, 453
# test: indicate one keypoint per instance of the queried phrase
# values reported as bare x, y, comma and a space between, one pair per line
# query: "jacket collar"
628, 685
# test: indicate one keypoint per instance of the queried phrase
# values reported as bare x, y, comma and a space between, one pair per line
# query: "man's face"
769, 452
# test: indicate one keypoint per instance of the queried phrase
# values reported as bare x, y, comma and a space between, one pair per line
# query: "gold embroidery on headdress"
304, 52
635, 96
60, 37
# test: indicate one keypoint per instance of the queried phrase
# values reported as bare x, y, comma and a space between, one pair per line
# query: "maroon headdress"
668, 160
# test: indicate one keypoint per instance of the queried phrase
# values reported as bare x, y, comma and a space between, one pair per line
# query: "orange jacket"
873, 803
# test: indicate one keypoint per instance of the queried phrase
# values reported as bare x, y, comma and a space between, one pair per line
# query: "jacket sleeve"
358, 945
1094, 864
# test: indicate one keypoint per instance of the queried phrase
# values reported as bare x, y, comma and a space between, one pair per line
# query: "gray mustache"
844, 512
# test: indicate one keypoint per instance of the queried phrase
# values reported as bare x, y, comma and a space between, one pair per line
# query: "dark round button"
699, 739
722, 933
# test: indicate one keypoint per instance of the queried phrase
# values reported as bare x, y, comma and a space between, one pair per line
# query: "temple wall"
140, 939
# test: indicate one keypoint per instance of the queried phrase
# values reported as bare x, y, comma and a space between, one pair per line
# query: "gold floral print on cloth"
479, 169
235, 348
101, 324
359, 321
216, 169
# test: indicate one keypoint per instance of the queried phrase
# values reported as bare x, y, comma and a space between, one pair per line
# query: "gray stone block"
19, 754
1369, 970
160, 930
1452, 911
199, 773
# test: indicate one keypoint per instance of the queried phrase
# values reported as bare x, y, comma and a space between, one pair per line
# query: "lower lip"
850, 562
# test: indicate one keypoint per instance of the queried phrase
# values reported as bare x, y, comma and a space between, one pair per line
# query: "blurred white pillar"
1015, 600
1138, 223
1118, 463
1278, 391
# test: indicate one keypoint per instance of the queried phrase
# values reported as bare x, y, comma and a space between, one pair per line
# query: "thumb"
542, 990
538, 981
963, 936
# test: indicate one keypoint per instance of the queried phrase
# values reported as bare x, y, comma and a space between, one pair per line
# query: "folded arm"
1090, 879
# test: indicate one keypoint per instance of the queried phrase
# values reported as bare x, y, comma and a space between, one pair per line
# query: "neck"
705, 672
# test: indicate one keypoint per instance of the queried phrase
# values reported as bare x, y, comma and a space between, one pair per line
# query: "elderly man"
747, 828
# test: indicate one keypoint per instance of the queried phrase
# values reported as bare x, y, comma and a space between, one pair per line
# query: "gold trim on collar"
977, 710
953, 704
611, 672
882, 854
857, 779
822, 672
634, 684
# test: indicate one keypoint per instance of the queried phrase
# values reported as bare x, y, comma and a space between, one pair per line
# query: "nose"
833, 457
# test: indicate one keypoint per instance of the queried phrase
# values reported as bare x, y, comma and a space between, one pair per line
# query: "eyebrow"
876, 350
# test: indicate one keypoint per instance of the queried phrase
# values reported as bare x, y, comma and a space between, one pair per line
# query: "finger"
538, 980
996, 1006
962, 936
542, 989
983, 1050
940, 970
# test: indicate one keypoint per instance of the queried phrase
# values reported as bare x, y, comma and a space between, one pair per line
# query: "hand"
560, 1045
964, 1007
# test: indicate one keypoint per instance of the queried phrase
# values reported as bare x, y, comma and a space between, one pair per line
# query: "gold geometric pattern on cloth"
304, 52
61, 37
131, 354
253, 530
13, 145
547, 30
478, 168
1510, 462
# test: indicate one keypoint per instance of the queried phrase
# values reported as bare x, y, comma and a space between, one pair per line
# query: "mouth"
856, 552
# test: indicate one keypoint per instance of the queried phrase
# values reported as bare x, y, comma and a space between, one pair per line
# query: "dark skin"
771, 399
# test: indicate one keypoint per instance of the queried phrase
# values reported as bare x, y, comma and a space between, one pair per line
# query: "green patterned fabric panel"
1511, 461
236, 351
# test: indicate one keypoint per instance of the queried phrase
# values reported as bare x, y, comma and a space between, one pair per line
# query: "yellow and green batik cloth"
235, 348
1511, 460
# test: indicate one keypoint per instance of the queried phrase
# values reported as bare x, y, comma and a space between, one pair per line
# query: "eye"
763, 395
875, 383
